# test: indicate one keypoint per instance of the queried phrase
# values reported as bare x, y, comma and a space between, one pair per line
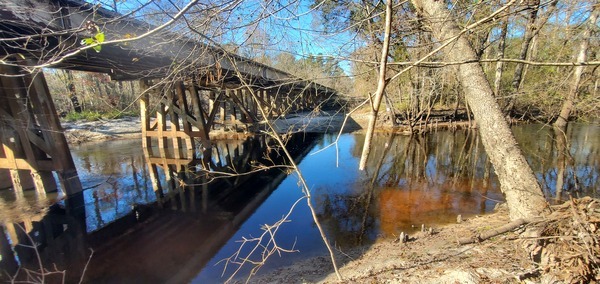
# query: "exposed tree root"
495, 232
564, 244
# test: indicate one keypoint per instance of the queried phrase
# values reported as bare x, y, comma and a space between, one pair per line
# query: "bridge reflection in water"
200, 200
408, 182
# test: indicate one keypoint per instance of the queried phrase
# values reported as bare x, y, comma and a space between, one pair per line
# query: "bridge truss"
213, 91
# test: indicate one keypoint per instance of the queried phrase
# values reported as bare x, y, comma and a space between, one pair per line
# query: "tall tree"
500, 63
530, 29
72, 91
517, 181
381, 83
567, 107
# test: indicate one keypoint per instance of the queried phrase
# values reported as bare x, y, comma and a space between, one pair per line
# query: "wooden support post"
232, 115
162, 128
32, 139
185, 114
211, 101
174, 121
252, 106
222, 110
271, 104
145, 115
202, 118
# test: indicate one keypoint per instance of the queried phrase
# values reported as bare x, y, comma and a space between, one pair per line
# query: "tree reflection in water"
433, 178
409, 181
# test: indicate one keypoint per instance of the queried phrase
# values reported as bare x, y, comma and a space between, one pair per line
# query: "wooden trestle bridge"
190, 87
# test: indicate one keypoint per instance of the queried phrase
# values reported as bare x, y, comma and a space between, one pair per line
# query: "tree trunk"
500, 64
73, 92
567, 107
517, 181
380, 87
530, 31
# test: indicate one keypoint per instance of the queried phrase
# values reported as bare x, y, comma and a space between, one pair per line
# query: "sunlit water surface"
408, 182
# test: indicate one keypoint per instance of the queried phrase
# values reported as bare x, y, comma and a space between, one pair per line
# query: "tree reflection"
431, 179
412, 181
566, 163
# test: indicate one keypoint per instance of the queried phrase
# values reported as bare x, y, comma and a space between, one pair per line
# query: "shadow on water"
154, 216
138, 215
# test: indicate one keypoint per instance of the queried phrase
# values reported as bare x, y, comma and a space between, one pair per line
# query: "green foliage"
95, 92
98, 39
84, 115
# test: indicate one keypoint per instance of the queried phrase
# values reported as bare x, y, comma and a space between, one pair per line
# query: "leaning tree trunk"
518, 183
567, 107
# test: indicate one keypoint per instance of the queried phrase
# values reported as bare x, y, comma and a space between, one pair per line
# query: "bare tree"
381, 83
567, 107
517, 181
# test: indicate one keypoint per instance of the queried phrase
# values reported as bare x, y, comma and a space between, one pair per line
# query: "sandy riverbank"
130, 127
89, 131
426, 258
560, 247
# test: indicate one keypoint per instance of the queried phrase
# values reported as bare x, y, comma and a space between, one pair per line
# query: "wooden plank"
200, 116
171, 135
52, 132
251, 94
161, 127
23, 164
183, 107
170, 161
174, 119
213, 113
18, 112
222, 106
144, 119
236, 101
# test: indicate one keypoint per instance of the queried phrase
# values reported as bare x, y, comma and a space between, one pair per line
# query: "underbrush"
567, 246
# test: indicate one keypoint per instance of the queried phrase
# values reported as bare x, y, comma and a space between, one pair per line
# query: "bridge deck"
190, 87
51, 32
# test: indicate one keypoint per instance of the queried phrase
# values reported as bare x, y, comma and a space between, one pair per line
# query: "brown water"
408, 182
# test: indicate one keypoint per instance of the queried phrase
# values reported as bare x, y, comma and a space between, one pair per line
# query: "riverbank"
323, 122
130, 127
427, 257
562, 247
90, 131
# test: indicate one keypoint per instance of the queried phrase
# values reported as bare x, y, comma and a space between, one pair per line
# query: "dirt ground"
88, 131
425, 258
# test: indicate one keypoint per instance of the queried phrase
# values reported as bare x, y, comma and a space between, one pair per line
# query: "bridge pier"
33, 142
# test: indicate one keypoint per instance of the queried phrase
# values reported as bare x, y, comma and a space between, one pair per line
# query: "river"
189, 231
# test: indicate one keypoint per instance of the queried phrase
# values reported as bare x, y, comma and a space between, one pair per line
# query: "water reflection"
565, 163
412, 181
156, 216
114, 177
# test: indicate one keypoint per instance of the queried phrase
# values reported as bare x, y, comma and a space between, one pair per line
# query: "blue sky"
289, 25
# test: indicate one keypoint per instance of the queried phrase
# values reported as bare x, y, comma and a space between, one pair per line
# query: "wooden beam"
38, 144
